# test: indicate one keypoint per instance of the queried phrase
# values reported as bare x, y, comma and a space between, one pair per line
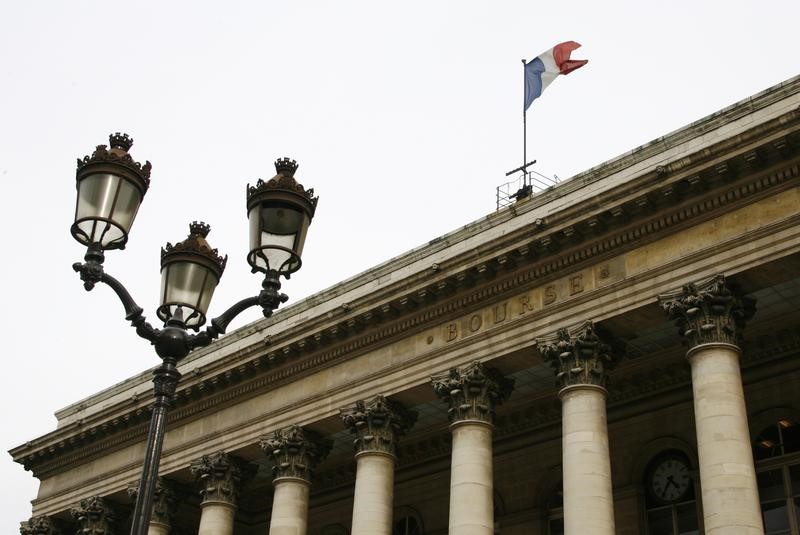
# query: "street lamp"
111, 186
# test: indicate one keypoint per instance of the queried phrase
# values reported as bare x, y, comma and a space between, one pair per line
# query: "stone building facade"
618, 354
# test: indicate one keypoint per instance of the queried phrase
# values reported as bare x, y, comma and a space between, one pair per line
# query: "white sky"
403, 116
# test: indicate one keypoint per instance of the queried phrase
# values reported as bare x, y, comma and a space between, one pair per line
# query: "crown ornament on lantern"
120, 141
196, 245
116, 160
285, 166
283, 183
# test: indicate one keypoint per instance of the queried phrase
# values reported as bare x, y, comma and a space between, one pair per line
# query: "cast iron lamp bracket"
169, 344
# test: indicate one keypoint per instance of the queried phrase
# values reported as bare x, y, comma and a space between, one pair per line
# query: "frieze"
535, 300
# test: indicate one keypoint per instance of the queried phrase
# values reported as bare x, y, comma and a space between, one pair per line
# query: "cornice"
666, 199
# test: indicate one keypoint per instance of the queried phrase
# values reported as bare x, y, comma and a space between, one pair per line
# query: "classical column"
221, 477
377, 424
580, 358
95, 515
710, 315
472, 393
41, 525
165, 504
295, 452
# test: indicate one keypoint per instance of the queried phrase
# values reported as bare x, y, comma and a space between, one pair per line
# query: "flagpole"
524, 131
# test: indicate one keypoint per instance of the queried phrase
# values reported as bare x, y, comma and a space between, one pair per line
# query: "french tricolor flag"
542, 70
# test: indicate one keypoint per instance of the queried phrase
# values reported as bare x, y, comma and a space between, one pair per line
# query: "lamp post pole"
111, 185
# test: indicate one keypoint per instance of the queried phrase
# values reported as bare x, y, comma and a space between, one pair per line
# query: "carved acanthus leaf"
166, 498
41, 525
295, 451
708, 311
221, 476
472, 392
580, 355
95, 515
377, 424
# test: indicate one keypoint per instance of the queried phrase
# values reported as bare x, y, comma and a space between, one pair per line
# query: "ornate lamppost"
111, 186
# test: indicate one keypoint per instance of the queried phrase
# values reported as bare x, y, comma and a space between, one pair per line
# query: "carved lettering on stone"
580, 355
295, 451
166, 498
41, 525
377, 424
708, 311
472, 392
95, 516
221, 476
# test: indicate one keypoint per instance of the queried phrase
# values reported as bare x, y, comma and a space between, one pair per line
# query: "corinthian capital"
94, 515
377, 424
579, 355
708, 311
472, 392
221, 476
166, 497
295, 451
41, 525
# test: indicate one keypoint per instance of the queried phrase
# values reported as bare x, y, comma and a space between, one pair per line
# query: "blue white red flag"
542, 70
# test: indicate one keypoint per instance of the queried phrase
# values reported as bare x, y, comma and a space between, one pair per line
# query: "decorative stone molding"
95, 516
580, 355
295, 451
472, 391
166, 498
221, 477
708, 311
41, 525
377, 423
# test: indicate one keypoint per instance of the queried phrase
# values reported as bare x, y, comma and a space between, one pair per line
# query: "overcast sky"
404, 117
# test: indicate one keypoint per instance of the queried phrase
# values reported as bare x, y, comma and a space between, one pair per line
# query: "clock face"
670, 480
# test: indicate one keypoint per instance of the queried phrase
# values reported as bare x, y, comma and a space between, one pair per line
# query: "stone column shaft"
157, 529
377, 425
221, 477
216, 518
727, 472
710, 315
588, 498
295, 451
580, 357
472, 393
373, 500
471, 479
289, 507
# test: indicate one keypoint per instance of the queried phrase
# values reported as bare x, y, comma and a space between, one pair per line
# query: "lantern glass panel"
188, 285
277, 235
106, 207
